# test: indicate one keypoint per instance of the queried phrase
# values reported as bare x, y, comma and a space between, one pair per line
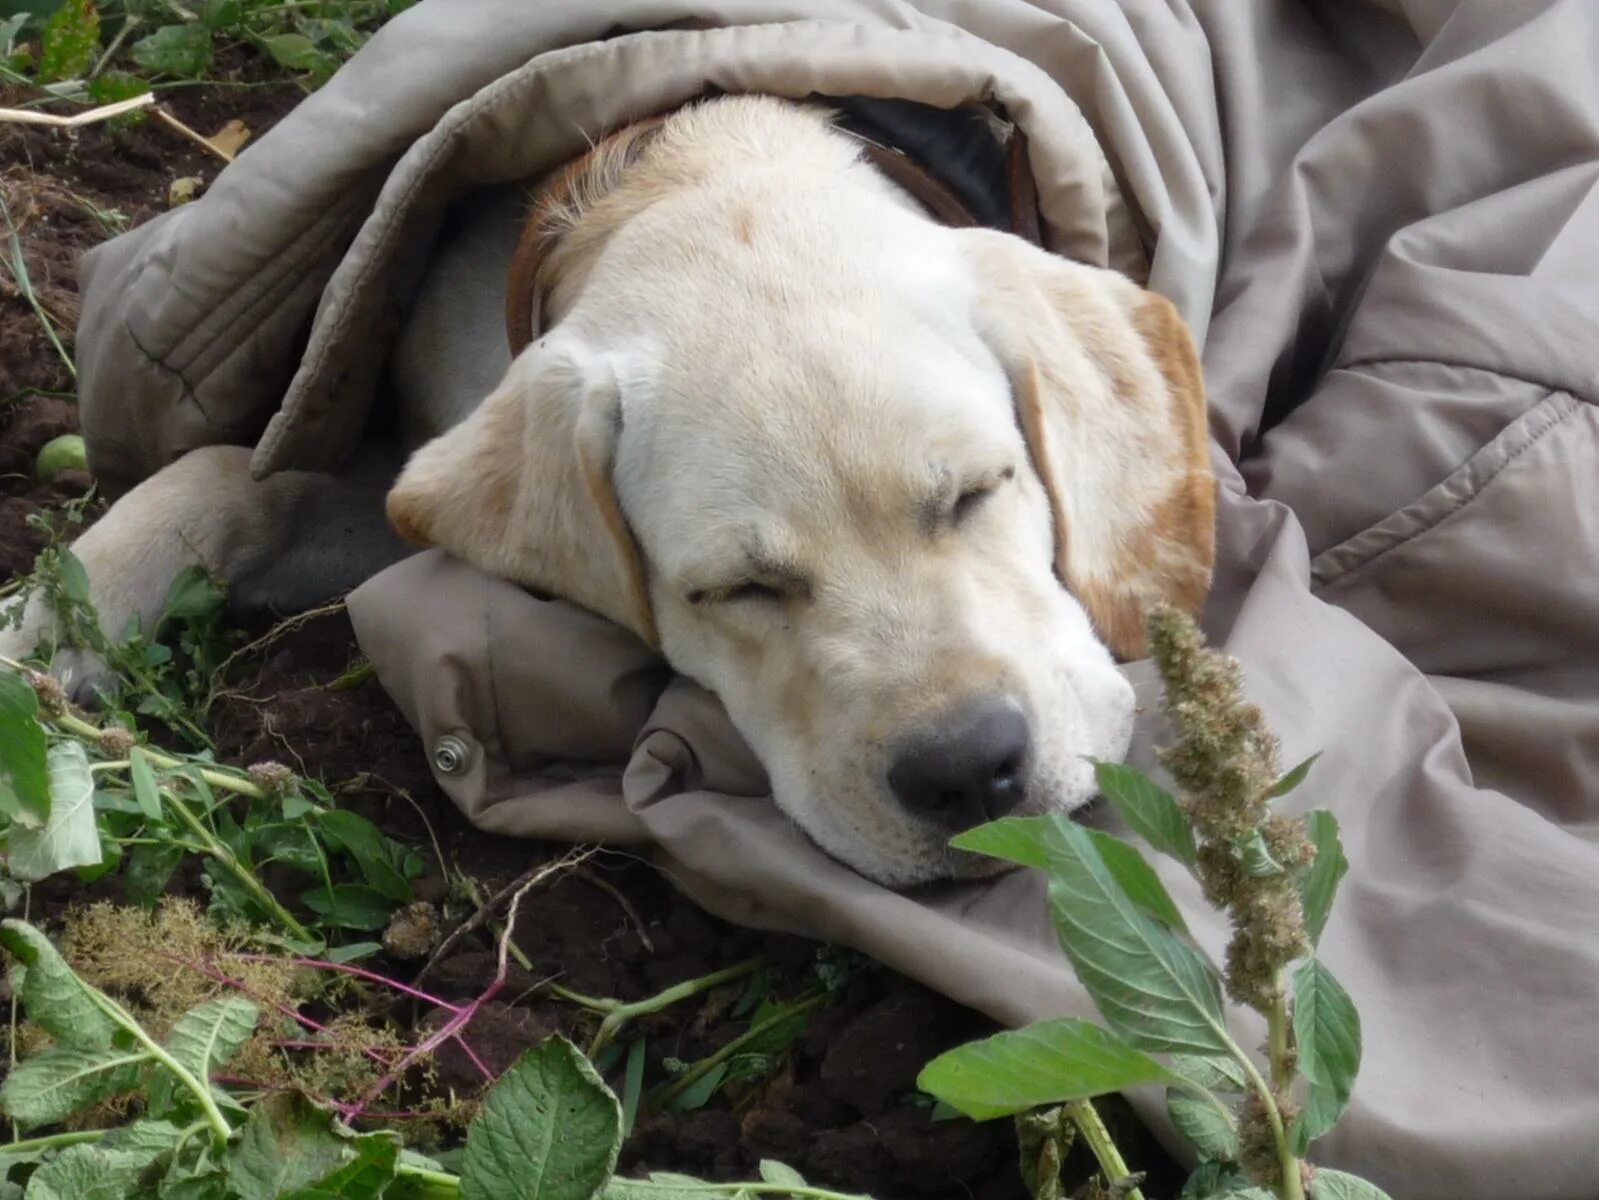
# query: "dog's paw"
82, 674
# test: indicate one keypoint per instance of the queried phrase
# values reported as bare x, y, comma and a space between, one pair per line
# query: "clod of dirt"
413, 932
879, 1054
498, 1033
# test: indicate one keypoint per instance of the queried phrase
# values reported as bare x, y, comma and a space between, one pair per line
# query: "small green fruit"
64, 453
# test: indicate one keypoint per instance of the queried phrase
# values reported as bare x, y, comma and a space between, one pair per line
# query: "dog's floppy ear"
522, 488
1111, 401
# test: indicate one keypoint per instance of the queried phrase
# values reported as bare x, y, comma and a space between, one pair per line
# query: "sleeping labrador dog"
900, 494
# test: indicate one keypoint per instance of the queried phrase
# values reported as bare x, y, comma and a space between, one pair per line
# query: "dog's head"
896, 493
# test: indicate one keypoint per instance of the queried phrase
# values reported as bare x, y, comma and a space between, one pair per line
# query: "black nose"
968, 768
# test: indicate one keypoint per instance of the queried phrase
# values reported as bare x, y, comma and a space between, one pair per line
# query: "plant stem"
666, 1093
1282, 1068
258, 890
55, 1141
1291, 1188
1086, 1117
618, 1014
220, 1128
217, 779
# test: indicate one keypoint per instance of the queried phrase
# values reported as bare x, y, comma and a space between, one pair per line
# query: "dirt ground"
841, 1107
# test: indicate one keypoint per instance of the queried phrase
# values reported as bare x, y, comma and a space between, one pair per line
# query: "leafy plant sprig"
1160, 998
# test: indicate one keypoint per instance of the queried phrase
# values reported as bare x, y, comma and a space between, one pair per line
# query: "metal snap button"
451, 754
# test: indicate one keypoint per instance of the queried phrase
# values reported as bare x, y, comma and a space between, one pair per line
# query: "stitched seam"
274, 279
1548, 385
1454, 509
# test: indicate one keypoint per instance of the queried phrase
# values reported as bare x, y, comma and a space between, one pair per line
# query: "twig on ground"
193, 135
622, 902
92, 116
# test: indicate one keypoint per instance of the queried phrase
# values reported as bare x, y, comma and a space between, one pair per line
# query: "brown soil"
841, 1106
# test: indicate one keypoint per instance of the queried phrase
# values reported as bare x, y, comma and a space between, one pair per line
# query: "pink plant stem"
345, 969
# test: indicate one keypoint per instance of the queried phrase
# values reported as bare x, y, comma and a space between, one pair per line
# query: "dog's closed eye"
732, 593
975, 495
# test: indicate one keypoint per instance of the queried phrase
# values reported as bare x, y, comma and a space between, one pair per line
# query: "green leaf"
366, 844
549, 1129
698, 1094
1319, 883
293, 50
90, 1173
149, 868
144, 785
56, 999
193, 595
204, 1038
350, 906
1221, 1181
288, 1145
1327, 1037
366, 1176
74, 580
1137, 878
24, 782
180, 50
1147, 808
220, 14
1049, 1062
69, 838
354, 952
71, 37
1214, 1074
1335, 1185
1014, 839
1317, 1115
782, 1174
632, 1084
1293, 778
55, 1083
1251, 854
1150, 986
1210, 1131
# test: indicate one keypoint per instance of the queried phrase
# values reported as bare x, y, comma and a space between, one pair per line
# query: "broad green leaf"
287, 1146
180, 50
1210, 1131
70, 40
69, 838
354, 952
1150, 986
107, 88
220, 14
350, 906
148, 870
366, 1176
144, 785
1221, 1181
1293, 778
366, 844
1214, 1074
781, 1173
293, 50
1251, 854
1319, 883
1148, 808
1327, 1037
549, 1129
24, 782
1025, 841
1335, 1185
1014, 839
1049, 1062
55, 1083
204, 1038
56, 999
1138, 878
1316, 1117
74, 580
193, 595
90, 1173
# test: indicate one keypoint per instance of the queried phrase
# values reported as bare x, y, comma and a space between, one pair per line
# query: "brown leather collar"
523, 315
